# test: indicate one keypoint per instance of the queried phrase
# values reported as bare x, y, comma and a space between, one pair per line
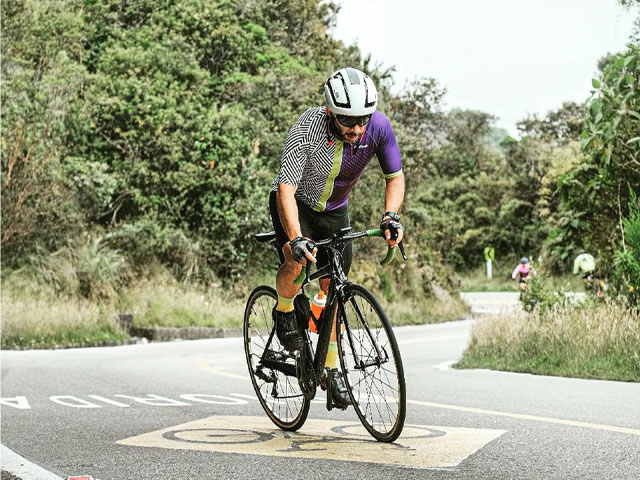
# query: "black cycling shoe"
287, 330
337, 393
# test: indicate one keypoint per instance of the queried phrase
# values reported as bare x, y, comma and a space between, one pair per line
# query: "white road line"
524, 416
21, 467
445, 365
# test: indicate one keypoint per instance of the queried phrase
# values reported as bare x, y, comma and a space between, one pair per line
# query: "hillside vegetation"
140, 140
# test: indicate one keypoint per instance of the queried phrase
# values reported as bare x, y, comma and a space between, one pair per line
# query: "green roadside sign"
489, 253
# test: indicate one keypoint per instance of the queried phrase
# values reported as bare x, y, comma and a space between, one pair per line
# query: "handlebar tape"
391, 252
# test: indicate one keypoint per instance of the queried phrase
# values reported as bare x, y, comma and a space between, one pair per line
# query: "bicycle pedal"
331, 405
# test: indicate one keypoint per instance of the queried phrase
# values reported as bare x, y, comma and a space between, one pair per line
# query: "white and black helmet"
350, 92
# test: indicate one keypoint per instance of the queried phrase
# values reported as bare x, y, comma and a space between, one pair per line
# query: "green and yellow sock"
284, 304
332, 355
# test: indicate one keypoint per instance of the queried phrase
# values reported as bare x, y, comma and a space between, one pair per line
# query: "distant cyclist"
523, 271
326, 151
584, 264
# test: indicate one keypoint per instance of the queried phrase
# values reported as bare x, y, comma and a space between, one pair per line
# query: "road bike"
594, 285
368, 352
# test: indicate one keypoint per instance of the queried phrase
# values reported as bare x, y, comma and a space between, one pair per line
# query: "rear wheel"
371, 364
279, 394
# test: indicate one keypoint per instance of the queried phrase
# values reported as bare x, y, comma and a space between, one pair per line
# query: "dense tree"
157, 127
42, 74
561, 126
595, 194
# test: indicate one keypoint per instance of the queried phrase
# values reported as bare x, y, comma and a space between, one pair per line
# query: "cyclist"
523, 270
585, 265
326, 151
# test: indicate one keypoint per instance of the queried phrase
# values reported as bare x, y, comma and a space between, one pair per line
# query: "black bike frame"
336, 301
335, 306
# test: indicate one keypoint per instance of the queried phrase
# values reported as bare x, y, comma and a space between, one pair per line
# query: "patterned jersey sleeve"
294, 156
388, 152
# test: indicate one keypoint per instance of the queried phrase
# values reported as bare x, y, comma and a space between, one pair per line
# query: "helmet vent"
354, 78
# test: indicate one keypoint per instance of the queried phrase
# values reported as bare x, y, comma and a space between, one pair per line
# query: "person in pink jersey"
522, 270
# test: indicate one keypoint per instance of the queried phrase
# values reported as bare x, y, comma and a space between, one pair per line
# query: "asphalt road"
183, 410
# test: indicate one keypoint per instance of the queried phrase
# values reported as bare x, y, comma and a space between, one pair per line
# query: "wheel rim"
287, 406
377, 389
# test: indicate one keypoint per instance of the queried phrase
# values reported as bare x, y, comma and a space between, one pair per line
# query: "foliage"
89, 269
595, 194
42, 48
612, 125
626, 274
561, 126
156, 129
540, 297
119, 113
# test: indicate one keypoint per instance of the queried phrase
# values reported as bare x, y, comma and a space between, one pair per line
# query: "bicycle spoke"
278, 395
372, 366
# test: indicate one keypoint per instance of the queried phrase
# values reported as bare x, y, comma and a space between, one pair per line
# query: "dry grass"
427, 311
34, 317
594, 340
32, 322
169, 304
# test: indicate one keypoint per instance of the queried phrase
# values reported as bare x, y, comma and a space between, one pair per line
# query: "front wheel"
278, 393
371, 364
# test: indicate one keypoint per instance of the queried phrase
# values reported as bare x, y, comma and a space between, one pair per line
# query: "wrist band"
391, 214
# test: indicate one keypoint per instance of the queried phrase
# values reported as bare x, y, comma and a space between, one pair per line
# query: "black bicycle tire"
299, 419
393, 433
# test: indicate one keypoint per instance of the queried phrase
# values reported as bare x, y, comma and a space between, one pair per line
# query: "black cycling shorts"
316, 226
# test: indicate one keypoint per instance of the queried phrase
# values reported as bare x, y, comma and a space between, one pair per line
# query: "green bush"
626, 274
540, 297
88, 269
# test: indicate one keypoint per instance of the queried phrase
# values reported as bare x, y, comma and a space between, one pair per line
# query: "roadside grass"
34, 316
170, 304
414, 312
598, 340
477, 281
46, 322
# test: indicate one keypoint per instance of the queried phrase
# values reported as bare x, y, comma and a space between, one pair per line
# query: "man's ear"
328, 111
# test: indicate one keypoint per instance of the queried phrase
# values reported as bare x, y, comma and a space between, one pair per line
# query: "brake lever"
401, 247
394, 235
304, 273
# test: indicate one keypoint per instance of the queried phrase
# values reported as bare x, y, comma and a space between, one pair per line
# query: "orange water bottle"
317, 306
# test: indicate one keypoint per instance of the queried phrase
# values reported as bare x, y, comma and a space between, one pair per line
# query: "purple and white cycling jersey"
325, 170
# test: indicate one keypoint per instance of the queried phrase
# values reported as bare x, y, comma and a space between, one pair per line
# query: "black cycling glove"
392, 226
299, 246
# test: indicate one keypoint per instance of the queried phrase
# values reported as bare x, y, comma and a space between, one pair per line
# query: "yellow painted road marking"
418, 446
524, 416
204, 365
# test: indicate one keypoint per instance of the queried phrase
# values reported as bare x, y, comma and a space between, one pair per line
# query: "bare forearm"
288, 210
394, 193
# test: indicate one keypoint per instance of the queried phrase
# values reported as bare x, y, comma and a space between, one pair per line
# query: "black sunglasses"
351, 122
